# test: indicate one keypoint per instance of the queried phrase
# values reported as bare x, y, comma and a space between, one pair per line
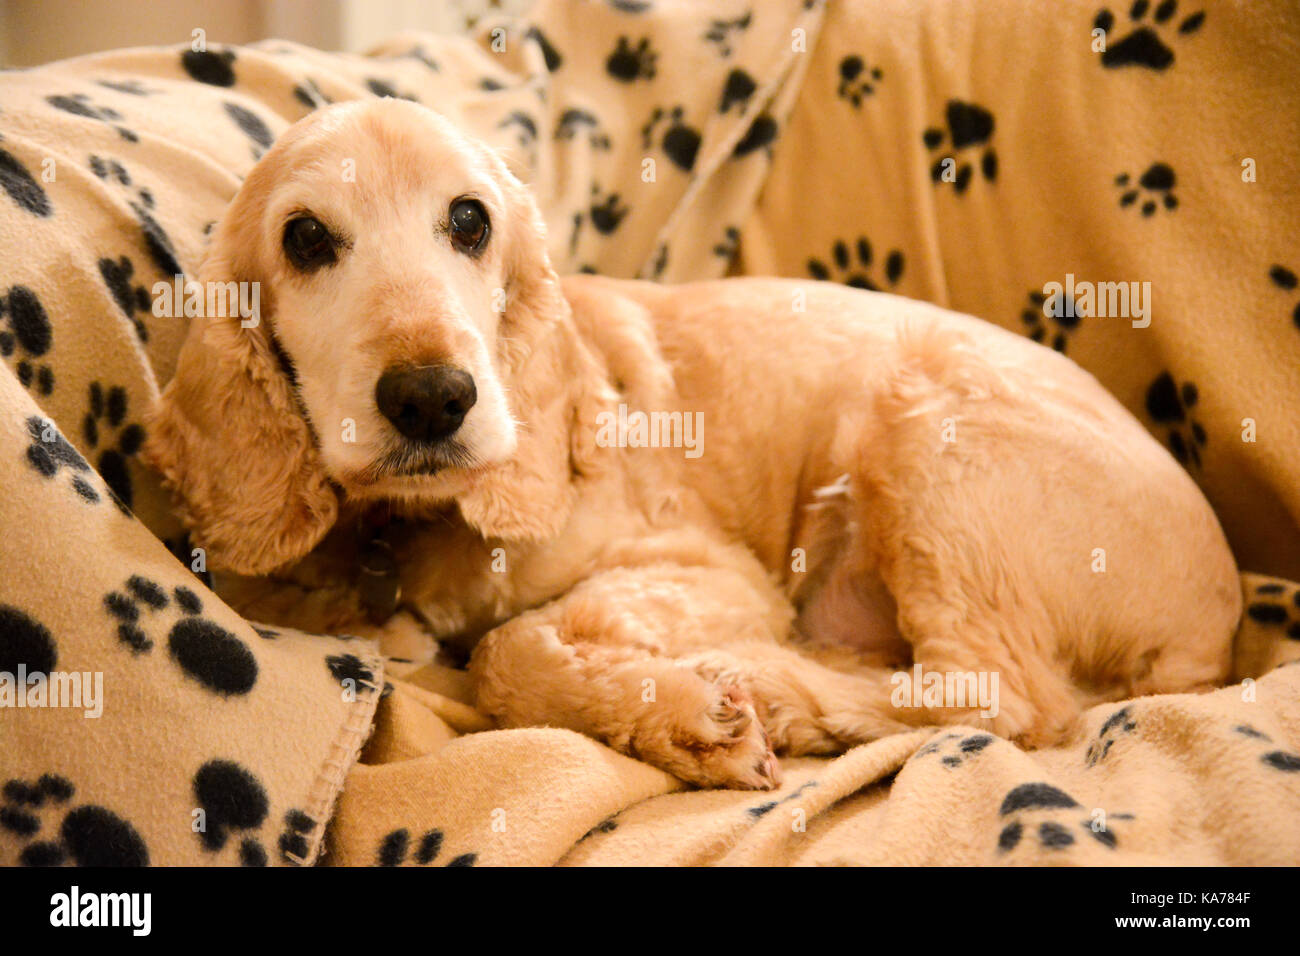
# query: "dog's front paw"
714, 739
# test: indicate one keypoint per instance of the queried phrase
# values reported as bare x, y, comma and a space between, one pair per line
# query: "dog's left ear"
550, 378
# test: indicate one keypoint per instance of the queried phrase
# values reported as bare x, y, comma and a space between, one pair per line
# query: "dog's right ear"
230, 439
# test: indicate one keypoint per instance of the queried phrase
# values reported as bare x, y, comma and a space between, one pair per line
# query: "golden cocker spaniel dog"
704, 523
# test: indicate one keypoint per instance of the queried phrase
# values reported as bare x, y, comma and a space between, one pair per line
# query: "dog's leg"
682, 667
544, 668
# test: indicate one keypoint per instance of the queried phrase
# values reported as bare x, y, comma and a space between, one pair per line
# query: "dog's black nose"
426, 404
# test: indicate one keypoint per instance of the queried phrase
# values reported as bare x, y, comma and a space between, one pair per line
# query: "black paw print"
1157, 182
230, 799
680, 142
856, 81
524, 125
763, 809
130, 87
1170, 405
21, 187
253, 126
110, 408
1277, 759
1119, 723
723, 33
49, 453
606, 213
131, 298
214, 67
203, 649
854, 268
384, 88
729, 245
1023, 806
631, 63
1271, 608
87, 835
309, 95
1144, 46
574, 121
962, 748
1064, 317
395, 848
156, 240
761, 133
80, 104
968, 126
1285, 279
737, 90
30, 334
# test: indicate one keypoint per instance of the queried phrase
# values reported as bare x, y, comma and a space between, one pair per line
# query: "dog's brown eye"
308, 243
469, 225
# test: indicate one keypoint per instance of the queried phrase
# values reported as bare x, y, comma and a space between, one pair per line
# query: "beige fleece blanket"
673, 140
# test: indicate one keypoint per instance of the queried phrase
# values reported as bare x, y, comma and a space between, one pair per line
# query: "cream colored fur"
881, 483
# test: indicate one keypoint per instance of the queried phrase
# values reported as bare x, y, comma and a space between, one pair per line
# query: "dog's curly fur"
881, 483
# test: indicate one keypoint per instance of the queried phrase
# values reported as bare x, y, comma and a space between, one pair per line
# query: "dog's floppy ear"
549, 378
229, 438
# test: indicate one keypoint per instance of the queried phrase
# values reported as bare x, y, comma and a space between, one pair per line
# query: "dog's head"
405, 347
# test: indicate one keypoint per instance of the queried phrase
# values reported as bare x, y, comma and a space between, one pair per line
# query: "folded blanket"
647, 131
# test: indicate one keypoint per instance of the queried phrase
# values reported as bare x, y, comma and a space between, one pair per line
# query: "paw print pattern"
763, 809
395, 849
1282, 760
80, 104
606, 213
110, 409
157, 242
25, 642
1038, 311
1117, 724
131, 297
525, 128
253, 126
29, 334
729, 245
679, 142
1030, 806
761, 134
22, 187
608, 825
204, 650
629, 63
86, 835
575, 121
1143, 45
1271, 607
736, 90
1170, 405
969, 126
1285, 279
853, 267
214, 67
958, 749
723, 34
231, 800
49, 453
857, 82
309, 95
1156, 183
